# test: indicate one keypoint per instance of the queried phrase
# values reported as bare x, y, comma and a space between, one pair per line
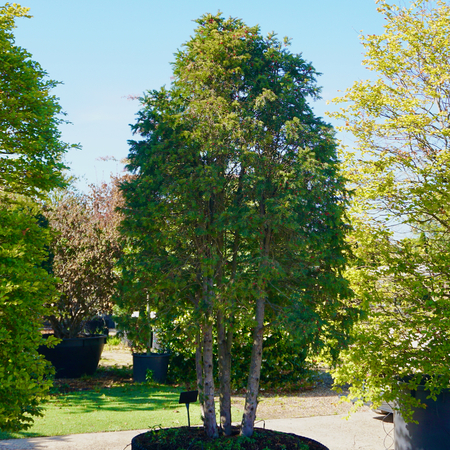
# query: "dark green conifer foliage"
235, 211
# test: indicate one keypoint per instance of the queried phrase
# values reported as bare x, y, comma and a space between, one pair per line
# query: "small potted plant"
138, 329
82, 256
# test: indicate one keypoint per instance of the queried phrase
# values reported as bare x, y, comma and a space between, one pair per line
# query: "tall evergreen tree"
235, 210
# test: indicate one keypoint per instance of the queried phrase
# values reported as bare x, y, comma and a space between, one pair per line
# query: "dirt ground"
320, 400
118, 357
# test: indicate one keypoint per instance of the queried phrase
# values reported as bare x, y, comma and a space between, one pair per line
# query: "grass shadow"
131, 406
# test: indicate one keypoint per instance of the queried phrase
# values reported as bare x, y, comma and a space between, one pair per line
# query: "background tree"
84, 250
30, 145
235, 211
30, 154
405, 331
400, 121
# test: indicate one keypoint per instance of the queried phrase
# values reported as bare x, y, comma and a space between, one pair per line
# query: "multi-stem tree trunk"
251, 398
224, 350
225, 330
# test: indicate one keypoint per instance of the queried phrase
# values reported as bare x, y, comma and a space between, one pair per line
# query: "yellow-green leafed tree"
401, 120
30, 167
24, 288
401, 173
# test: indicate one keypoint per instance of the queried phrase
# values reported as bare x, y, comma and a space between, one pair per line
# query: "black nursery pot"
73, 358
195, 438
433, 430
157, 363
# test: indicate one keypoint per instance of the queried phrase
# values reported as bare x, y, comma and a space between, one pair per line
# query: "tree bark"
199, 369
224, 350
209, 417
251, 398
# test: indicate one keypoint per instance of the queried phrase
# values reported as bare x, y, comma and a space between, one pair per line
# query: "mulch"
104, 377
194, 438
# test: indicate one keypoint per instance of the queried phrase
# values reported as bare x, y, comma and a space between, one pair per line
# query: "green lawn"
113, 409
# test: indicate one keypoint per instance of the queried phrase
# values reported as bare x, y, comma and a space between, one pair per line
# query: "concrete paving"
362, 431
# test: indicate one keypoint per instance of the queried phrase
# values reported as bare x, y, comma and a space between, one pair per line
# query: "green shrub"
24, 289
284, 361
114, 341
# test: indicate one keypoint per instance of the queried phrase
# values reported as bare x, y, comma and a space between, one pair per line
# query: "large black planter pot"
158, 363
73, 358
433, 430
194, 439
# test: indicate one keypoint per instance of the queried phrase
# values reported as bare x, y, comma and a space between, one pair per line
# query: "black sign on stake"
188, 397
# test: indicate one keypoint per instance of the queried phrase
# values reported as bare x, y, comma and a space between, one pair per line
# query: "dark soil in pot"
194, 438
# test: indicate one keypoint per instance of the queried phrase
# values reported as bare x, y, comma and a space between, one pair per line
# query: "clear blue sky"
104, 51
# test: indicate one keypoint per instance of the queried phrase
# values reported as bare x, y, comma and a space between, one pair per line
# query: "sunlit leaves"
24, 289
400, 120
30, 167
400, 173
30, 145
